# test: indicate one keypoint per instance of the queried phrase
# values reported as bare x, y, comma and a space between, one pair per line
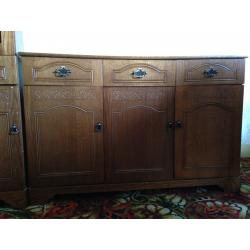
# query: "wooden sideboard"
100, 123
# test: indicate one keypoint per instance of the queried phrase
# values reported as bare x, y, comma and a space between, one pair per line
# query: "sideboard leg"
15, 199
231, 185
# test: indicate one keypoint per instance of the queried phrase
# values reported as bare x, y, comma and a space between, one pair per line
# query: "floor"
202, 202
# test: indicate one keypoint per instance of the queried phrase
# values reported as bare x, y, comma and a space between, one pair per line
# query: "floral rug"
202, 202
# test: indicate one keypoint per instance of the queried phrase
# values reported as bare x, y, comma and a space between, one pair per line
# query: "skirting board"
245, 150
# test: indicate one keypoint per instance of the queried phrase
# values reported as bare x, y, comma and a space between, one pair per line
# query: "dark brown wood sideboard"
100, 123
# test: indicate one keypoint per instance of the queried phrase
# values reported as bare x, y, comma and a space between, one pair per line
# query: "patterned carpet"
208, 202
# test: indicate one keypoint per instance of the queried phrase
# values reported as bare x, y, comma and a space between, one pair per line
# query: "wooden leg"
36, 197
231, 185
16, 199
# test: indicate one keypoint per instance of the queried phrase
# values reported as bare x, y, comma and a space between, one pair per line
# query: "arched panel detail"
78, 73
132, 131
125, 74
207, 129
215, 65
62, 106
196, 71
143, 107
72, 126
204, 105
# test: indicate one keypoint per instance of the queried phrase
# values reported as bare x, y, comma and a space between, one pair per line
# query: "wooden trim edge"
40, 195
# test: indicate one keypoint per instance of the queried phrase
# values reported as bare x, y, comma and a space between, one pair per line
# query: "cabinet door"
138, 144
64, 148
208, 143
11, 160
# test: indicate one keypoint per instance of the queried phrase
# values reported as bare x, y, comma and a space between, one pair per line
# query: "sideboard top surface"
32, 54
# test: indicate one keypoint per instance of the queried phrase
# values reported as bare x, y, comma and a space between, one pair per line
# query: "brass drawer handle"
210, 73
62, 71
139, 73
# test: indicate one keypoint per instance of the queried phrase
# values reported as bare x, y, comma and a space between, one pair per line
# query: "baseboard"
245, 150
40, 195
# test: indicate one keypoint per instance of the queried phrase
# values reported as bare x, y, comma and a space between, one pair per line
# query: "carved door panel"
208, 143
64, 147
138, 144
11, 161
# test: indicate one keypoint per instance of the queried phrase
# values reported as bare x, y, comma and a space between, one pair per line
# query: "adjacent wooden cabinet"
11, 170
12, 181
97, 124
10, 42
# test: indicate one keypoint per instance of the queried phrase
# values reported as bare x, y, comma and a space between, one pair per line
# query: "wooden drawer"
61, 71
8, 70
210, 71
139, 72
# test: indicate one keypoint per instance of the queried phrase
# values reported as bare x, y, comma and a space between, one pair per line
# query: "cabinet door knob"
171, 124
14, 130
178, 124
210, 73
174, 124
62, 71
98, 127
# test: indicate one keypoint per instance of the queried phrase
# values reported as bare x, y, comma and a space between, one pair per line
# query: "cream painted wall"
150, 43
245, 138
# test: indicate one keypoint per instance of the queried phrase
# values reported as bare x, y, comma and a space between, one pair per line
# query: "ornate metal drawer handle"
62, 71
139, 73
14, 130
210, 73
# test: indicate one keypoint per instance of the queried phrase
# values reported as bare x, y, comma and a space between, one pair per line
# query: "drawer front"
8, 70
210, 71
139, 73
61, 71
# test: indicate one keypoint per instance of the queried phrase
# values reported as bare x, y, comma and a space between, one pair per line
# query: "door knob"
98, 127
14, 130
171, 124
178, 124
175, 124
